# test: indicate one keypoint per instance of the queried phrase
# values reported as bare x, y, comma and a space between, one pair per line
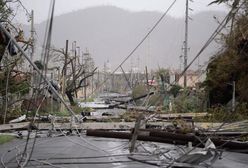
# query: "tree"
14, 82
163, 75
232, 63
175, 89
76, 72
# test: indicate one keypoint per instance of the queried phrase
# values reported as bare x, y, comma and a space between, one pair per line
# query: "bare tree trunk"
70, 97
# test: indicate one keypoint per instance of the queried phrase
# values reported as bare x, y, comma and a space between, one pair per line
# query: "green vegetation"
232, 63
175, 89
227, 66
39, 64
190, 100
14, 83
139, 90
5, 138
130, 116
162, 76
78, 109
222, 114
61, 113
91, 99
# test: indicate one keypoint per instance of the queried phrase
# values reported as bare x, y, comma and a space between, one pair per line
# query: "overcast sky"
64, 6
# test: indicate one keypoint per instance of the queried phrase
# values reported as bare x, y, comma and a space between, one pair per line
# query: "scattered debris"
19, 119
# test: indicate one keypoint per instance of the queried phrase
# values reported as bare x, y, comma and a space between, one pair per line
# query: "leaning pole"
36, 68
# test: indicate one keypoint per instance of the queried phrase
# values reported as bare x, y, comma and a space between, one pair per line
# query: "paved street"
75, 152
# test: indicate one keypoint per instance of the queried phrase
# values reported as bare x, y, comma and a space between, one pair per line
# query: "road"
89, 152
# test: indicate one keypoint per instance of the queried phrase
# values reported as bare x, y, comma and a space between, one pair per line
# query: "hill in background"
110, 33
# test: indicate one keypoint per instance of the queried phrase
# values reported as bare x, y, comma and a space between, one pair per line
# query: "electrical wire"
76, 142
211, 38
115, 70
47, 163
94, 157
94, 162
80, 138
135, 50
139, 44
215, 33
25, 9
17, 148
6, 98
28, 137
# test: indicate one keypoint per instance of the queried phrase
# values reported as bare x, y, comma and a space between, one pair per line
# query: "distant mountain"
110, 33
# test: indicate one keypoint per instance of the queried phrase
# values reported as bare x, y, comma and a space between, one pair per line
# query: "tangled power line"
28, 156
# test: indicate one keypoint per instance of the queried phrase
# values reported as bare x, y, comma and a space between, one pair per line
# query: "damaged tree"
232, 63
75, 72
14, 82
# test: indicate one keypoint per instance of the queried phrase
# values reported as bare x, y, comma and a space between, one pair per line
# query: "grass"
5, 138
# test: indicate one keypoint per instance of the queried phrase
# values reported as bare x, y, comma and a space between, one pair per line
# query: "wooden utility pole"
186, 42
92, 84
233, 96
128, 82
52, 77
135, 132
86, 57
98, 79
43, 77
32, 55
64, 73
147, 81
74, 64
65, 70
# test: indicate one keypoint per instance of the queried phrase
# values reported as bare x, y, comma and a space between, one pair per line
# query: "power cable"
94, 157
139, 44
17, 148
47, 163
29, 133
215, 33
212, 37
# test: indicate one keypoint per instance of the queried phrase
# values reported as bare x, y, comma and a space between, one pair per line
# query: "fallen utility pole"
133, 99
37, 69
173, 138
14, 126
128, 82
135, 133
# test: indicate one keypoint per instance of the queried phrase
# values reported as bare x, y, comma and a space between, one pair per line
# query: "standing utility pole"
147, 79
186, 42
233, 97
86, 66
32, 54
66, 57
64, 74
